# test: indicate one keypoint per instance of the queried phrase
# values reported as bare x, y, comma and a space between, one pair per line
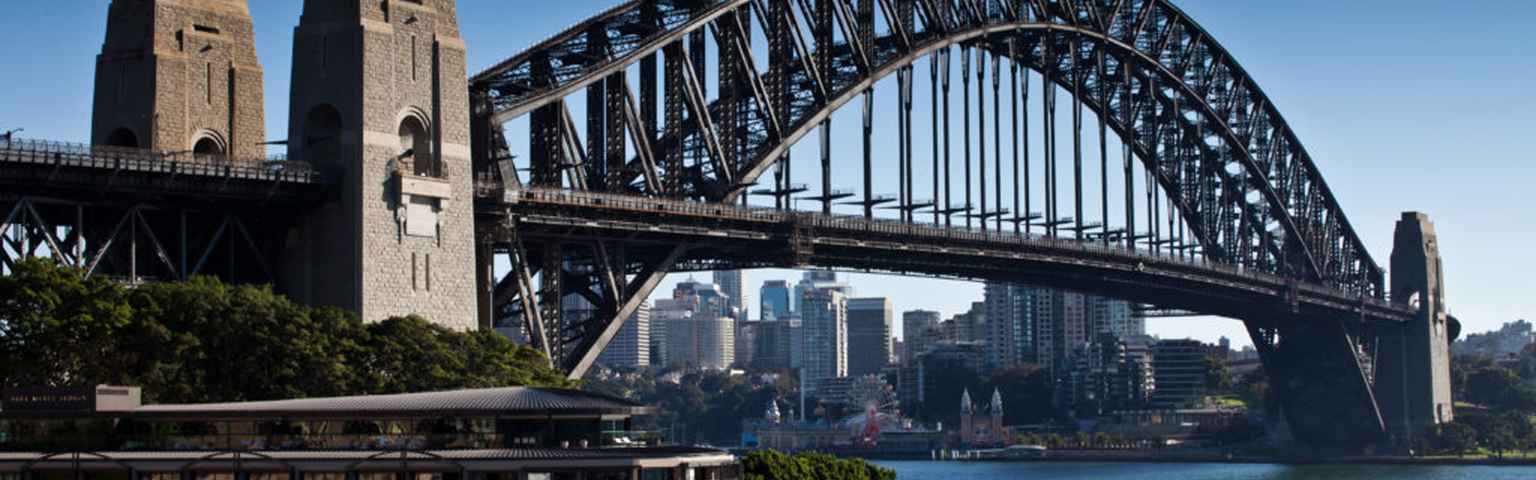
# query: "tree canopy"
206, 341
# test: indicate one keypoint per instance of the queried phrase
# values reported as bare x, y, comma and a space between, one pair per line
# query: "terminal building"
514, 433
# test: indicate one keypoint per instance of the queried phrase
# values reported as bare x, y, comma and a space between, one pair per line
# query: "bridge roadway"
759, 237
43, 168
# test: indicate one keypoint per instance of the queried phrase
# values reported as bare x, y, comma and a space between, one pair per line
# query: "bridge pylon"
380, 104
1415, 377
181, 78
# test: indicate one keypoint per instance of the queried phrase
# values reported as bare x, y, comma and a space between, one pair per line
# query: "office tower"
869, 335
1010, 338
631, 346
729, 282
918, 330
774, 296
824, 330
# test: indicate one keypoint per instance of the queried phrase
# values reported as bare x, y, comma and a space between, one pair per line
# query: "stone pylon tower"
1413, 383
180, 76
381, 104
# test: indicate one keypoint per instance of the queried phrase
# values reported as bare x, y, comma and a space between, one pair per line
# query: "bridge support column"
1414, 362
1317, 377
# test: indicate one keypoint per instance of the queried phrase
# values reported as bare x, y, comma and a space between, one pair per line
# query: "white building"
824, 328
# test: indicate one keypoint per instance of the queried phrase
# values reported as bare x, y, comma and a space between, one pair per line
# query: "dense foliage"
771, 465
699, 406
1026, 391
204, 341
1494, 408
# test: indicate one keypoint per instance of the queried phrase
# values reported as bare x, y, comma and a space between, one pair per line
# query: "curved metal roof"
488, 402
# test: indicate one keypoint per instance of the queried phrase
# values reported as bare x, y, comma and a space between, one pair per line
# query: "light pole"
10, 135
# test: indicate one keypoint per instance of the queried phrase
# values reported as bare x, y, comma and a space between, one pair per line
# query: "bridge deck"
69, 168
764, 236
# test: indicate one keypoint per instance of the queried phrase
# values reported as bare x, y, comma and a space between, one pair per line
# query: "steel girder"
141, 242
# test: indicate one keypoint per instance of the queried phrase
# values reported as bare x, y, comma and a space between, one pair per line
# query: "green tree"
1455, 438
1217, 378
1026, 391
205, 341
57, 329
772, 465
1492, 386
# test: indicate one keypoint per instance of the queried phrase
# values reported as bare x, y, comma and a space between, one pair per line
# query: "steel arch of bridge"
1217, 147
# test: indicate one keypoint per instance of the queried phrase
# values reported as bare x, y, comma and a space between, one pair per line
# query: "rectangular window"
208, 83
413, 58
413, 270
429, 272
206, 29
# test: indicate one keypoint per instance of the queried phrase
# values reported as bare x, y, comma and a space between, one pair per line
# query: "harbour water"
925, 470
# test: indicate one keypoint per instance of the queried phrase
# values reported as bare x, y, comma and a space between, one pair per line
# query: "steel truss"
1227, 179
143, 242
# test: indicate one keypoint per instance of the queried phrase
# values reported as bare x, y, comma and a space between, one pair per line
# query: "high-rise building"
710, 297
702, 341
869, 335
747, 332
824, 332
1179, 367
919, 329
1010, 338
729, 282
1112, 316
773, 343
966, 327
818, 279
631, 346
694, 327
774, 296
664, 314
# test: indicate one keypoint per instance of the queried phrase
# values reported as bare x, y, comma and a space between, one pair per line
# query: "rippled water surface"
1171, 471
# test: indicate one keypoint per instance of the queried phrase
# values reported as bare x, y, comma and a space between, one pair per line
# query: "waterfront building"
630, 348
775, 300
1179, 368
869, 335
919, 328
824, 333
988, 430
508, 433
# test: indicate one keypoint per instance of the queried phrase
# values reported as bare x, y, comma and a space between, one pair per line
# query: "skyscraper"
695, 329
824, 332
819, 279
869, 335
729, 282
918, 330
1010, 337
774, 296
631, 346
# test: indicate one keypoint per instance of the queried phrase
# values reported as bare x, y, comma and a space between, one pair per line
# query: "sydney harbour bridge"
1211, 204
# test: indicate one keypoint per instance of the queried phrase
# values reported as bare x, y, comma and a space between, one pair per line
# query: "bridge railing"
80, 155
898, 229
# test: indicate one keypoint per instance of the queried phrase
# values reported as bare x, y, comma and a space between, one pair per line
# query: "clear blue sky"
1405, 105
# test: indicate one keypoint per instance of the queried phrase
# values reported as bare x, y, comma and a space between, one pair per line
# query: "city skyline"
1379, 157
